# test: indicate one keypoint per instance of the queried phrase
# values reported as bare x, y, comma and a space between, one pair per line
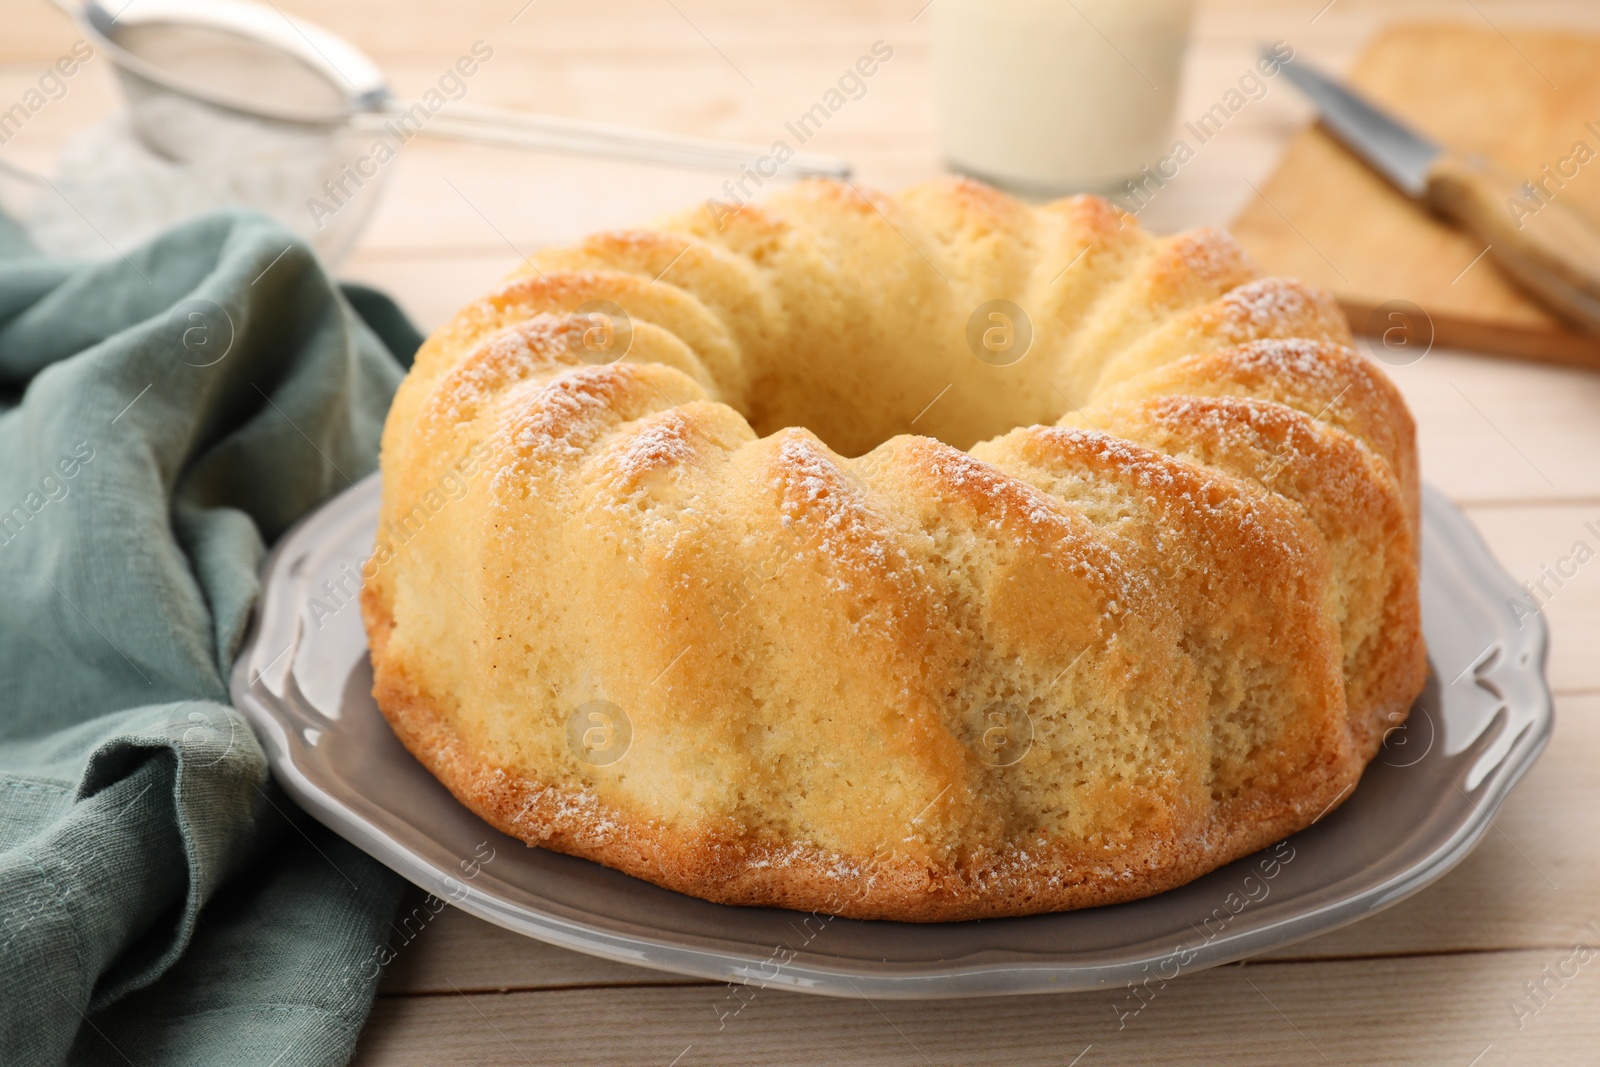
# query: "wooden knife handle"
1550, 249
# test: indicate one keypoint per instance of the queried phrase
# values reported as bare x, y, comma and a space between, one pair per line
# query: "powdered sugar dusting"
514, 354
565, 418
642, 474
829, 514
660, 443
1296, 359
1210, 255
1048, 525
1177, 495
1266, 308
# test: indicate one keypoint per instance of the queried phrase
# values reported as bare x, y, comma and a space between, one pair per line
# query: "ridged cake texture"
866, 623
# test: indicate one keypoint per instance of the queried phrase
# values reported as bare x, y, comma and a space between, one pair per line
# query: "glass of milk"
1058, 96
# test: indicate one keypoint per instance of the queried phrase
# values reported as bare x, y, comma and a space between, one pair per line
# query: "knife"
1547, 247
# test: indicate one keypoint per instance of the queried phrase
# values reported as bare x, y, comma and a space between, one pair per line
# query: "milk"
1055, 96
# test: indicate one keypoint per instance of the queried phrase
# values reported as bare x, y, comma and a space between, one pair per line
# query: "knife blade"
1546, 247
1392, 148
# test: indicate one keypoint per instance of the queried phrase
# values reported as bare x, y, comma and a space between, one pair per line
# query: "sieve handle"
549, 133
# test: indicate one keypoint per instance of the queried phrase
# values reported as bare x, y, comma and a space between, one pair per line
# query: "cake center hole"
961, 374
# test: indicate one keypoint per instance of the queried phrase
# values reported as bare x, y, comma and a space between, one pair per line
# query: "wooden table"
1432, 980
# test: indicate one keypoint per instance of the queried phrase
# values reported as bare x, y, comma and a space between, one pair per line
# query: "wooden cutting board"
1529, 99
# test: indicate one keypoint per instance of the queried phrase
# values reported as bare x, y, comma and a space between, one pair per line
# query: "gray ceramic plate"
303, 679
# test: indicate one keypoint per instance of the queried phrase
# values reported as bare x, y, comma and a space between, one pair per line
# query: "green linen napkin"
164, 417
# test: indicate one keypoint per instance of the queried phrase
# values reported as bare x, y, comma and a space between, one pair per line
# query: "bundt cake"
924, 557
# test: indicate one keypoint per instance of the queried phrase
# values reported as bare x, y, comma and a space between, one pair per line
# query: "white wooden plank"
1552, 549
1445, 1009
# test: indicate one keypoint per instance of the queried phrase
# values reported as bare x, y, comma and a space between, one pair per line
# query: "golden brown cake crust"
1097, 622
734, 869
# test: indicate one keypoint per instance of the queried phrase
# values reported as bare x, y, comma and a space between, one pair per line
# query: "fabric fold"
164, 417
